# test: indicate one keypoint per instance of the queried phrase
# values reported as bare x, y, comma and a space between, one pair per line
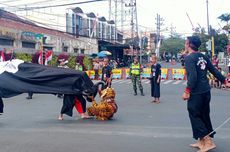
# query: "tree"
172, 45
221, 42
88, 65
225, 17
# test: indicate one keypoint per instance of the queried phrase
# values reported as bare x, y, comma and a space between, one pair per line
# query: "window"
75, 50
65, 49
28, 45
82, 51
8, 42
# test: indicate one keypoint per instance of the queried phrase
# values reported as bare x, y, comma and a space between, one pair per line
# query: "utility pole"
172, 30
133, 23
209, 32
116, 13
208, 18
159, 23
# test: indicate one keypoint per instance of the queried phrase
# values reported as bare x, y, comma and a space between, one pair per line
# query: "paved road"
139, 126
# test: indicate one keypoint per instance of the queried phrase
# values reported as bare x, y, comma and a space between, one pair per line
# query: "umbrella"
101, 55
106, 52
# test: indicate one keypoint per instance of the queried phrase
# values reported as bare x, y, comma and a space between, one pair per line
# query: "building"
26, 36
89, 25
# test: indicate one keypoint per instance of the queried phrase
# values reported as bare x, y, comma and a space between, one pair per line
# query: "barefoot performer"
197, 94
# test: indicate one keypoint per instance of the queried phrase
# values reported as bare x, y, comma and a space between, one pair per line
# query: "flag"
2, 57
45, 57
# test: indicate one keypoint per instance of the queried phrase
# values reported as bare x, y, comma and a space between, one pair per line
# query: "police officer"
135, 73
198, 94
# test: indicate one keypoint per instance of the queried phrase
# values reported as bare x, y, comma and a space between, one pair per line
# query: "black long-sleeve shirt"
197, 65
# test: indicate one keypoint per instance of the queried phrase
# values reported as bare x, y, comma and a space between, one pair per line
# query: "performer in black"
69, 102
198, 94
107, 73
155, 79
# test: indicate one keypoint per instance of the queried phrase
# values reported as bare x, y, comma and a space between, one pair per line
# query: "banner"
146, 73
178, 74
117, 73
164, 73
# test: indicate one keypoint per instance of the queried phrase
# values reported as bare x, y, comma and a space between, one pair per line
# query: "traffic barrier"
164, 73
146, 73
117, 73
178, 74
126, 74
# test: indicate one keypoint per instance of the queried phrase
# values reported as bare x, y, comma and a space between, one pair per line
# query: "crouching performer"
17, 77
105, 109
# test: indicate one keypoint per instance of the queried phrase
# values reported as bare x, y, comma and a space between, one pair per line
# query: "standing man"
135, 73
197, 94
107, 74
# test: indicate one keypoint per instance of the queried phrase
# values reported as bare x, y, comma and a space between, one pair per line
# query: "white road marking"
167, 82
177, 82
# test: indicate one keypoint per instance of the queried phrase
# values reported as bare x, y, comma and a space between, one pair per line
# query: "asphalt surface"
138, 126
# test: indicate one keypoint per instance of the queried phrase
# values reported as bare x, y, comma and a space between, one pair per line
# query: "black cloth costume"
17, 77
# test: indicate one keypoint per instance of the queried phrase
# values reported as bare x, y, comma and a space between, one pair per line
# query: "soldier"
197, 94
135, 73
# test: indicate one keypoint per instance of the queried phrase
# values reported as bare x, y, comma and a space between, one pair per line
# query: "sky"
173, 12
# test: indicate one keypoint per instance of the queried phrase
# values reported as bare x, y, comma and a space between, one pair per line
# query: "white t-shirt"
229, 62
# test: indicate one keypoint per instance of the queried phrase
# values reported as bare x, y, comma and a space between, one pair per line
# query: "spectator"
96, 68
215, 61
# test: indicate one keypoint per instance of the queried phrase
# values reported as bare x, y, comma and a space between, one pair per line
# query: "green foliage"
53, 62
173, 44
71, 62
88, 65
225, 17
220, 41
24, 56
204, 38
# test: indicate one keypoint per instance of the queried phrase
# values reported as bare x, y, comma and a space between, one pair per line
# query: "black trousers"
199, 113
30, 94
1, 105
155, 88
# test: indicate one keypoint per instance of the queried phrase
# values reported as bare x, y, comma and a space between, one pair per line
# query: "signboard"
28, 36
9, 33
178, 74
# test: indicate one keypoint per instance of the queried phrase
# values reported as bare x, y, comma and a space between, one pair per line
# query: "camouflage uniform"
135, 73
